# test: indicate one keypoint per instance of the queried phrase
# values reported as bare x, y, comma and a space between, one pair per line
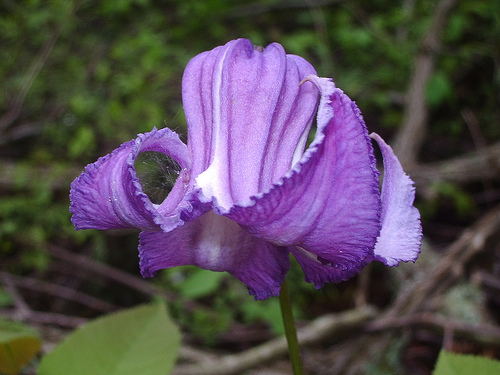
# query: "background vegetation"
80, 77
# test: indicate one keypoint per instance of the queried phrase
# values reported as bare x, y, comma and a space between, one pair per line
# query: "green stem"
290, 331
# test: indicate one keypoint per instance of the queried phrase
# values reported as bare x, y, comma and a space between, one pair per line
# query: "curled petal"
329, 203
319, 273
248, 118
108, 194
215, 243
401, 231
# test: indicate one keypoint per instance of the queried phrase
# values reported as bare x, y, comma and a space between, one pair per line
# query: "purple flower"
248, 194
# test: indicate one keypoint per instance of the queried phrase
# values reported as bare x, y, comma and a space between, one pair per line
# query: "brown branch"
411, 135
109, 272
424, 294
490, 283
22, 308
474, 166
484, 333
316, 331
484, 278
59, 291
362, 290
40, 317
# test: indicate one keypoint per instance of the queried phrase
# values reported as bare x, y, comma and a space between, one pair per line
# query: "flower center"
157, 173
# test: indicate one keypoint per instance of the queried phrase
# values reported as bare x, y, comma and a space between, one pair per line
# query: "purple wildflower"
248, 194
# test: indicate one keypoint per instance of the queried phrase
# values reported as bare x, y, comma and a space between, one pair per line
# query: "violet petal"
401, 231
215, 243
319, 273
248, 118
108, 194
329, 203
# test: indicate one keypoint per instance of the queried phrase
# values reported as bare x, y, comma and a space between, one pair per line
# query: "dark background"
78, 78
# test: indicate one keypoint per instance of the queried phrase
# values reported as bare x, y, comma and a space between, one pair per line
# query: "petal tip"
401, 233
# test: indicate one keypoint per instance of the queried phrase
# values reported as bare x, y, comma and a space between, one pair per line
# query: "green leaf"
201, 283
141, 340
18, 346
461, 364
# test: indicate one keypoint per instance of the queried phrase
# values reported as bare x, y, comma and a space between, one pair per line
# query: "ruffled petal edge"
109, 195
401, 232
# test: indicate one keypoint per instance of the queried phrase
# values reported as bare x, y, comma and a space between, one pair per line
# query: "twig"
361, 295
105, 271
475, 129
40, 317
462, 169
59, 291
486, 279
448, 336
190, 354
22, 308
427, 290
412, 132
124, 278
490, 283
484, 333
314, 332
479, 140
451, 267
109, 272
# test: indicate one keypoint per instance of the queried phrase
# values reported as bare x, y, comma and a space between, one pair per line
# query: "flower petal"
216, 243
319, 273
401, 231
108, 194
247, 117
329, 203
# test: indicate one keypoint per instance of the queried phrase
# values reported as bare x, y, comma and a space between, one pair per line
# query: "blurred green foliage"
234, 304
80, 77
